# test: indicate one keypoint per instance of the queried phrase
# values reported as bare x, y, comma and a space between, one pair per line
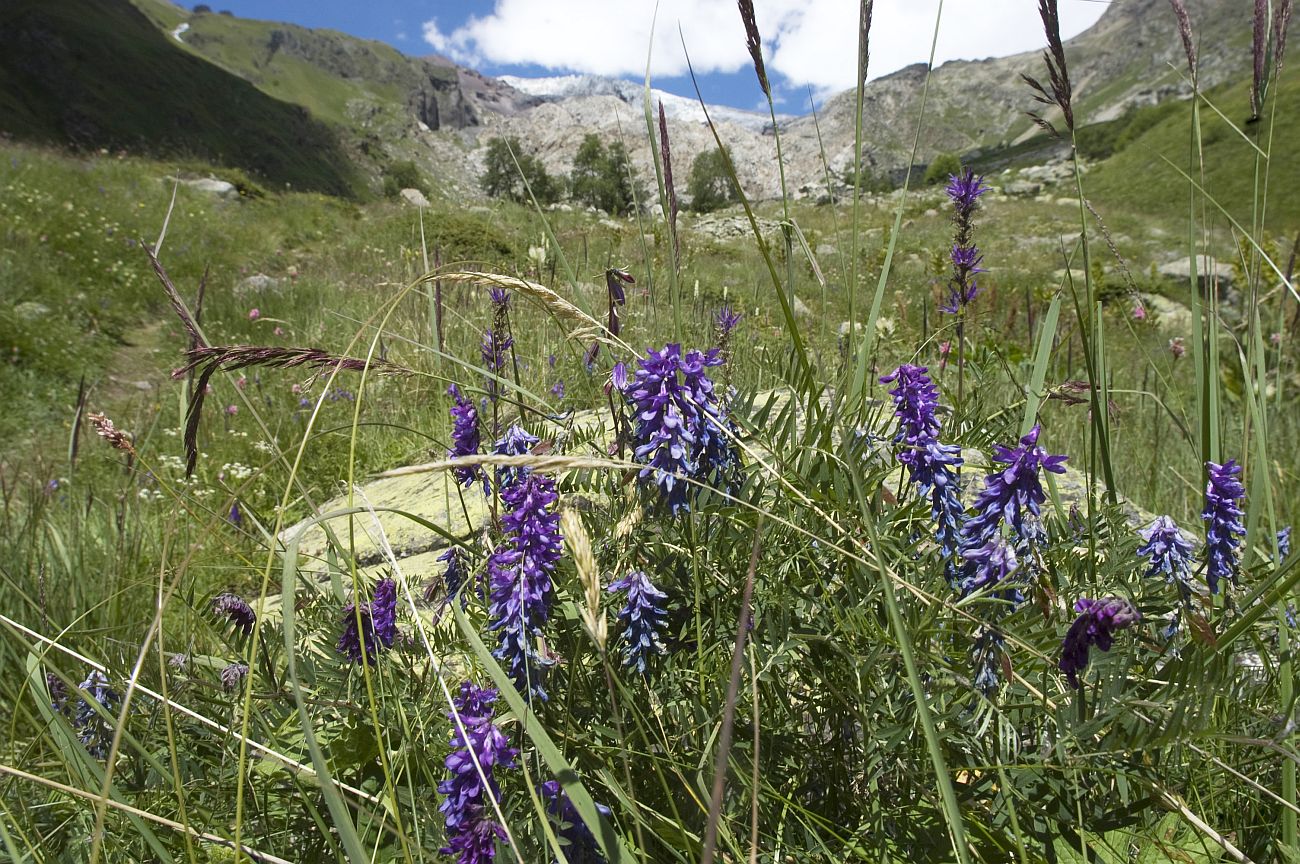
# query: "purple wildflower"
464, 435
988, 565
579, 844
94, 730
493, 350
1223, 496
233, 675
932, 466
453, 577
986, 658
1095, 627
1284, 544
500, 297
58, 692
1166, 551
236, 610
726, 321
519, 573
678, 430
234, 517
557, 390
643, 618
964, 191
378, 625
515, 442
471, 833
915, 401
1013, 493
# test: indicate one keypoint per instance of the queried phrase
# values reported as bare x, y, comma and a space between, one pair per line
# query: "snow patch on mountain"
680, 108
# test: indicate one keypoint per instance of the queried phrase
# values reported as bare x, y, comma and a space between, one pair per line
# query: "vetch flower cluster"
93, 730
1223, 497
464, 434
519, 575
515, 442
964, 191
1011, 496
679, 425
932, 466
378, 624
468, 793
1095, 627
643, 618
579, 844
1166, 551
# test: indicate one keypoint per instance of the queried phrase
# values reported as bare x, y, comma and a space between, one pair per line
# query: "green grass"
65, 67
833, 757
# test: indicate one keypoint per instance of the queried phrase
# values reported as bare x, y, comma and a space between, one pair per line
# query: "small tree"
941, 168
401, 175
603, 178
505, 174
709, 184
625, 187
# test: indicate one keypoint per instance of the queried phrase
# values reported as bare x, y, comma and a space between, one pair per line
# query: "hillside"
97, 73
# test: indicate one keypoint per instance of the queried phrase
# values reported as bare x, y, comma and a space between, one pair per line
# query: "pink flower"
254, 314
295, 389
232, 410
1275, 338
1139, 313
1177, 347
278, 331
241, 382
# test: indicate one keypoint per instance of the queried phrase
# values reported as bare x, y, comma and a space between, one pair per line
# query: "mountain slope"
98, 73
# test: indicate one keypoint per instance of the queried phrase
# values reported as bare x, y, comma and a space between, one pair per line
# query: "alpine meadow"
403, 463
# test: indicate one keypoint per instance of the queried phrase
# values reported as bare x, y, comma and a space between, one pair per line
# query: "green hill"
98, 73
1229, 158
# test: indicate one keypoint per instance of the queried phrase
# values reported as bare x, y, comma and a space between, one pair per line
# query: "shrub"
603, 178
941, 168
709, 184
401, 175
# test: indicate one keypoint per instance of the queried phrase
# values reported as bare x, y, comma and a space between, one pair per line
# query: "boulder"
414, 197
258, 283
1021, 188
213, 186
1207, 272
1166, 313
30, 310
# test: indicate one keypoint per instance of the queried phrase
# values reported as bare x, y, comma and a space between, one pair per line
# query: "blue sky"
809, 45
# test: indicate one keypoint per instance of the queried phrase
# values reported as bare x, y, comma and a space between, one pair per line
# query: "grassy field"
823, 676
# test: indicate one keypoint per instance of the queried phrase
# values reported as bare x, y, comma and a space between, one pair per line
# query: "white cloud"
807, 43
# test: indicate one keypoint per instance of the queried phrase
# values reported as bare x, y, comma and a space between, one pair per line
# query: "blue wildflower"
464, 435
579, 844
519, 574
1095, 627
93, 730
1284, 544
515, 442
1012, 493
679, 426
232, 675
454, 575
468, 793
643, 618
1223, 496
988, 565
726, 321
986, 658
1166, 551
557, 389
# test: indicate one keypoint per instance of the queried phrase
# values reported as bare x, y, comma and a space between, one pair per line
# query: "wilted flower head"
454, 575
470, 789
519, 574
643, 618
1177, 347
1166, 550
1095, 627
579, 844
236, 610
232, 675
377, 629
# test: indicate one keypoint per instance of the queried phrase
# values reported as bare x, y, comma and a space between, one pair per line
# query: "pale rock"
414, 197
